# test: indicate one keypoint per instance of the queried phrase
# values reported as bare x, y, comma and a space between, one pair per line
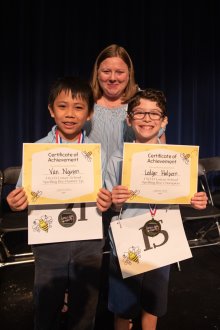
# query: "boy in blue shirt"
144, 294
74, 265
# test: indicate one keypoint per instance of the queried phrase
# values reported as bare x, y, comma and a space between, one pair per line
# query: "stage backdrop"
174, 46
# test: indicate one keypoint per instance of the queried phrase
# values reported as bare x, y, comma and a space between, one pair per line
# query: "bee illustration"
44, 223
185, 157
87, 155
133, 254
134, 194
35, 195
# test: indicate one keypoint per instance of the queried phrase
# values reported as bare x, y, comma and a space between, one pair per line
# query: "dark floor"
194, 296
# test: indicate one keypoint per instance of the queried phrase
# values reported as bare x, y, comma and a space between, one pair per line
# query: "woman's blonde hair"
114, 51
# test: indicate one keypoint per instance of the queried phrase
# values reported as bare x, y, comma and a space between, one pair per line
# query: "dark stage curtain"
175, 46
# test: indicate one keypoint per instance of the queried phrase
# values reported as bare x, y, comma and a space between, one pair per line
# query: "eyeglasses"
141, 115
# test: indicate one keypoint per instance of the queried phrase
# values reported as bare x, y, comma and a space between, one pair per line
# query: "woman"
113, 84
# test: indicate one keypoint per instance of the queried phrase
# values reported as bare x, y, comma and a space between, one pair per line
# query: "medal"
152, 227
67, 217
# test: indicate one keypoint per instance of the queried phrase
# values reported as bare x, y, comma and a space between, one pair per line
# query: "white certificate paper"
160, 173
61, 173
138, 252
63, 223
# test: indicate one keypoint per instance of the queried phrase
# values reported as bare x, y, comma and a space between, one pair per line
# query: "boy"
76, 264
145, 293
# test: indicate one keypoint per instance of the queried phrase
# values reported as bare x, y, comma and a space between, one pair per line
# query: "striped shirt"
109, 127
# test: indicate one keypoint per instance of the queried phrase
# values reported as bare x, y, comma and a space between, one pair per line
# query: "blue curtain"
174, 46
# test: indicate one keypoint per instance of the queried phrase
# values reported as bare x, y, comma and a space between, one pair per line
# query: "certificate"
160, 173
138, 251
61, 173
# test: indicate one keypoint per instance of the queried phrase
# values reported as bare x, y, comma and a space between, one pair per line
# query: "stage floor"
194, 296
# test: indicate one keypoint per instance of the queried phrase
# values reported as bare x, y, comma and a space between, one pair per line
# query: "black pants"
72, 265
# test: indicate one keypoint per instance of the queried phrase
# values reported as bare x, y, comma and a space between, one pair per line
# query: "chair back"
8, 180
204, 183
212, 167
14, 248
205, 228
211, 164
11, 175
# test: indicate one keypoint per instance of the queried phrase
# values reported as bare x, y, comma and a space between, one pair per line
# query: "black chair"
202, 226
13, 225
212, 166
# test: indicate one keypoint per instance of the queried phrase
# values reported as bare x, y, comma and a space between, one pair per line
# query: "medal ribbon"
58, 137
59, 140
153, 210
81, 137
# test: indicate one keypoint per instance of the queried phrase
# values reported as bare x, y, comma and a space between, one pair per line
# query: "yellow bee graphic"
44, 223
185, 157
87, 155
35, 195
133, 254
134, 193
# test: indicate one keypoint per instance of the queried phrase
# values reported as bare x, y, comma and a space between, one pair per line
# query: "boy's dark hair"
149, 94
78, 87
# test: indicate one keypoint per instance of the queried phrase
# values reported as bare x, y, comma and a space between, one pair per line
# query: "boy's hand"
104, 199
17, 199
119, 195
199, 200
